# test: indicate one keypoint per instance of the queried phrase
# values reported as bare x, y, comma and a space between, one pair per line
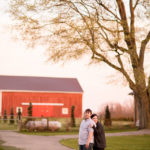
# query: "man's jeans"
82, 147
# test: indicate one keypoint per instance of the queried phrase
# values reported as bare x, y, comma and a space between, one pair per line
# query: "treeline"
118, 111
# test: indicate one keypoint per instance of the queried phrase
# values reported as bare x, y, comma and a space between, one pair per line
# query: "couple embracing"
91, 133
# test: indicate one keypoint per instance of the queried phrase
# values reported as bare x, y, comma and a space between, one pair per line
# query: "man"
86, 131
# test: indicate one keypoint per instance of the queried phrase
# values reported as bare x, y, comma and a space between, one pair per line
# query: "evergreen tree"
5, 116
19, 114
30, 111
12, 116
73, 124
107, 113
107, 120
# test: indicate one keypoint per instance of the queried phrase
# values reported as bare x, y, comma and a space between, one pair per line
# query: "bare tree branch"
124, 22
132, 27
137, 2
131, 83
142, 49
107, 9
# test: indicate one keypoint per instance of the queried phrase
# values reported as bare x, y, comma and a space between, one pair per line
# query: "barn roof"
30, 83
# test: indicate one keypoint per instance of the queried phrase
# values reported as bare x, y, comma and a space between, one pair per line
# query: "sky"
16, 59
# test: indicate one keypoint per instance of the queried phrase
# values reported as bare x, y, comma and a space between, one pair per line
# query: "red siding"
15, 99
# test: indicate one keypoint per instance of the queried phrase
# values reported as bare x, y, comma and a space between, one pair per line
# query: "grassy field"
7, 126
118, 143
117, 126
73, 131
7, 147
120, 126
50, 133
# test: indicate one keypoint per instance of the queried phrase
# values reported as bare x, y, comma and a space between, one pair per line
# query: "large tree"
114, 32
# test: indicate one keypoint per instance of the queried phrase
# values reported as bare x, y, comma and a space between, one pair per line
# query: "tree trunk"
143, 110
142, 97
135, 109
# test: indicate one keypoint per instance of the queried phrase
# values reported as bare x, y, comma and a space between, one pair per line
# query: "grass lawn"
7, 126
118, 143
71, 132
49, 133
117, 126
7, 147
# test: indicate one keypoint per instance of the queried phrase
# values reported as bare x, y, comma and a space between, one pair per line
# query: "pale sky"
16, 59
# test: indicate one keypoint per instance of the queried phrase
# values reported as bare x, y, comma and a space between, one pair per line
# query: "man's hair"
88, 111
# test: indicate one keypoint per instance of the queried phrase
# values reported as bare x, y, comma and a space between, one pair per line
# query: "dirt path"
34, 142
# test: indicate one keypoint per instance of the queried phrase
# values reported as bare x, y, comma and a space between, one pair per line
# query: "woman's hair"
93, 115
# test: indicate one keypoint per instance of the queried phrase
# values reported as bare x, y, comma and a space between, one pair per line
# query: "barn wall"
44, 104
0, 103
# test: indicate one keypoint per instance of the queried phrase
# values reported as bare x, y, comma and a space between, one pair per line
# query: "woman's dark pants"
97, 148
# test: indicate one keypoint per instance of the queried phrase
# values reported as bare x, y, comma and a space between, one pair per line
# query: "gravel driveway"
34, 142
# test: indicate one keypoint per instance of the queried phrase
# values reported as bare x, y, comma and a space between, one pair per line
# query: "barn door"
42, 111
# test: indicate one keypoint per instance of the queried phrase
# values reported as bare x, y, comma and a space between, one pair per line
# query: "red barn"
50, 97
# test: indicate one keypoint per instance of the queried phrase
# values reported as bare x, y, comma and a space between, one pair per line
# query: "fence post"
47, 123
20, 124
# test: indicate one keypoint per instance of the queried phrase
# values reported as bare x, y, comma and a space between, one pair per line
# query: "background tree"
119, 111
114, 32
19, 120
107, 120
30, 110
19, 114
73, 123
12, 116
5, 116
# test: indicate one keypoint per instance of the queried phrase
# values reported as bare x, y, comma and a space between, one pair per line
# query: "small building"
50, 96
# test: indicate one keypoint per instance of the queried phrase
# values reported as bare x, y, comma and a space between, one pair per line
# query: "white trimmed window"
65, 111
17, 109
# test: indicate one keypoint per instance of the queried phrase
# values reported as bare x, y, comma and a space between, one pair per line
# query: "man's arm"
89, 139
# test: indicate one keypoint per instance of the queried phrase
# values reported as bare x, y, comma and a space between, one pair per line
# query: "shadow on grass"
2, 147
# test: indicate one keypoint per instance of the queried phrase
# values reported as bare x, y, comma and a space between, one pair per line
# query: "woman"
99, 135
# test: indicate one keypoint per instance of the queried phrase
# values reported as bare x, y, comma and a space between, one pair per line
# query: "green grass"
117, 126
118, 143
50, 133
72, 132
7, 147
6, 126
120, 126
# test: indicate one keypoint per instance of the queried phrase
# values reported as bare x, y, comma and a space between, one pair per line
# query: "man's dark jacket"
99, 136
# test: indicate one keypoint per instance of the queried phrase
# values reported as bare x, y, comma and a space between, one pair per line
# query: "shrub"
5, 116
107, 121
19, 114
73, 124
12, 116
30, 110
